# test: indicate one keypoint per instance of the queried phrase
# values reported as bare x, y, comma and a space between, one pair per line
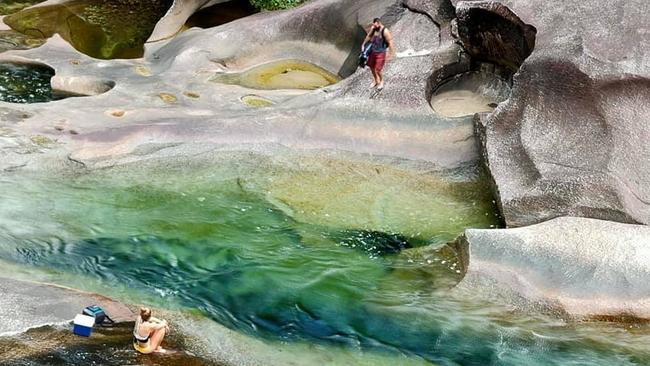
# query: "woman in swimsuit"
149, 332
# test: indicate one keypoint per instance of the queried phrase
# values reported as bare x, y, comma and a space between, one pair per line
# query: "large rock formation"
150, 97
571, 140
583, 267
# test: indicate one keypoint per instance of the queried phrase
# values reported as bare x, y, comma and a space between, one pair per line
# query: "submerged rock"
582, 267
375, 243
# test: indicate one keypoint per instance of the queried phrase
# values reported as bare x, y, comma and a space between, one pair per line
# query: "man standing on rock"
381, 41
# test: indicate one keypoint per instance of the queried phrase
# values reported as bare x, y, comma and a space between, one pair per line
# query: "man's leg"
374, 77
379, 70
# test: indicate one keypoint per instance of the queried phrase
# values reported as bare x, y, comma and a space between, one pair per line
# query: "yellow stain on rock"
167, 97
143, 71
255, 101
41, 140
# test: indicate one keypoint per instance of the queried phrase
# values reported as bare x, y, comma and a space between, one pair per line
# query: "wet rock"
582, 267
48, 304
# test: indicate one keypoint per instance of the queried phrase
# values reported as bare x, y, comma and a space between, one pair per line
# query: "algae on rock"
13, 6
105, 30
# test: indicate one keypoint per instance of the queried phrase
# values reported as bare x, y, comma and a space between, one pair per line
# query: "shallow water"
281, 74
243, 240
469, 93
98, 28
27, 84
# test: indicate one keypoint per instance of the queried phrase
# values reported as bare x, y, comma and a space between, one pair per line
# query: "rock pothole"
280, 74
469, 93
28, 83
495, 43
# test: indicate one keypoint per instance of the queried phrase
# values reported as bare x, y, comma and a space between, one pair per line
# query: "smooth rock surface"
346, 116
571, 138
578, 266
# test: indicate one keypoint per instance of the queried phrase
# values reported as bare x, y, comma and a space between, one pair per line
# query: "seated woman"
149, 332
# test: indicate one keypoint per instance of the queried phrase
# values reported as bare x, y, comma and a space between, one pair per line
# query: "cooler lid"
84, 320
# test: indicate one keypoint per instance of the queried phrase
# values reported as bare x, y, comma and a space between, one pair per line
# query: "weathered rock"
583, 267
176, 16
440, 11
491, 32
570, 140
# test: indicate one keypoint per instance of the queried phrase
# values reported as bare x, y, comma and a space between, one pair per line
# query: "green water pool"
337, 251
26, 84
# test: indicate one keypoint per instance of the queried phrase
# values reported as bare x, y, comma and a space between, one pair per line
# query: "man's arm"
388, 36
368, 37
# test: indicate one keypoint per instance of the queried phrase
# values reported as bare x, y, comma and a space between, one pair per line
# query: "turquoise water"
295, 249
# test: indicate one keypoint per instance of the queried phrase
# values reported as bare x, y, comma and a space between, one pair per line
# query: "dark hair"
145, 314
376, 20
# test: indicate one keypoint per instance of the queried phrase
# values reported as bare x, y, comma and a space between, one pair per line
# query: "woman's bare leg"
157, 338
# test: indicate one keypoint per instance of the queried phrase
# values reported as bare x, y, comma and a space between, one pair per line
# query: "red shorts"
376, 61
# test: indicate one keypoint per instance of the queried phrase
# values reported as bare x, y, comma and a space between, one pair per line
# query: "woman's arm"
156, 320
157, 325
